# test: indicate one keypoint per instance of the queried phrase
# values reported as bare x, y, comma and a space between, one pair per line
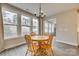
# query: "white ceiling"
48, 8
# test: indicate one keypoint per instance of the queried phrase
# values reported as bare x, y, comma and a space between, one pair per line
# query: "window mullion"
31, 27
48, 27
19, 25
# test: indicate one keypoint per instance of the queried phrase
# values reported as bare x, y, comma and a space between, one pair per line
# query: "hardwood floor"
60, 49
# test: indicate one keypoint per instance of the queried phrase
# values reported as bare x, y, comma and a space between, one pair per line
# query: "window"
35, 26
25, 30
25, 25
46, 27
25, 20
50, 28
9, 24
54, 29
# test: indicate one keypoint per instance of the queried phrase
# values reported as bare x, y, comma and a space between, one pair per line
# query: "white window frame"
26, 24
36, 25
5, 38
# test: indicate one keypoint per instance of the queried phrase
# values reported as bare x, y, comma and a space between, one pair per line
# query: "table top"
39, 37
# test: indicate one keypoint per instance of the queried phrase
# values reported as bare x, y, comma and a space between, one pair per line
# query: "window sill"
14, 38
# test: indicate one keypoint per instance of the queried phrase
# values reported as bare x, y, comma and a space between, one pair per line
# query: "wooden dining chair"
29, 44
32, 47
48, 45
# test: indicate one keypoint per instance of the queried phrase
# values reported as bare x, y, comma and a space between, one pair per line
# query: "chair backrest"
33, 33
28, 40
50, 39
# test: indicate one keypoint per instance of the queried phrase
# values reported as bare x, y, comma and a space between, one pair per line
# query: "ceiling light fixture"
41, 13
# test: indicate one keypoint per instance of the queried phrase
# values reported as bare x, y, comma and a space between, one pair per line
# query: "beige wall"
78, 27
66, 27
1, 38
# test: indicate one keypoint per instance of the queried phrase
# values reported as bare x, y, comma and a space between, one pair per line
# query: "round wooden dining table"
39, 38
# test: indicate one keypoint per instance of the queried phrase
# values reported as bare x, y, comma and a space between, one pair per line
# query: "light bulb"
41, 11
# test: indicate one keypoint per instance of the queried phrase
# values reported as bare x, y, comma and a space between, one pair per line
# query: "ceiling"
48, 8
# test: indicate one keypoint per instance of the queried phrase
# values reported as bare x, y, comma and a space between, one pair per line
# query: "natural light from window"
9, 24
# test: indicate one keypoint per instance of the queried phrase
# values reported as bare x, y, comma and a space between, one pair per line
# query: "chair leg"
26, 52
34, 53
52, 52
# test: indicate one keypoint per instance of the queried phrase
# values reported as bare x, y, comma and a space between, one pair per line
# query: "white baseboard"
67, 42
